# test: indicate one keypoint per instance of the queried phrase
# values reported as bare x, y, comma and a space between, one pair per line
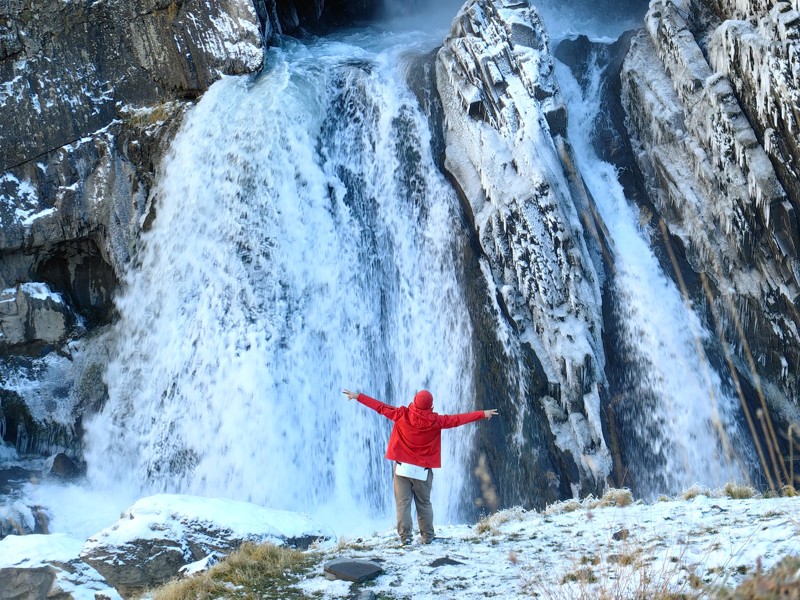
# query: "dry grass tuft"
614, 497
789, 491
252, 571
490, 523
695, 491
739, 492
564, 506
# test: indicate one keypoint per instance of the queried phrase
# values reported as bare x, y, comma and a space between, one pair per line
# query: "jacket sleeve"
449, 421
390, 412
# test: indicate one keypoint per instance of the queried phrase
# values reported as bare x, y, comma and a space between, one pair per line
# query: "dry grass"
695, 491
782, 582
739, 492
251, 572
490, 523
612, 497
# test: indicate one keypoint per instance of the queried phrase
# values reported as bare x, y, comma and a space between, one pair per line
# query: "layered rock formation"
505, 151
713, 112
91, 95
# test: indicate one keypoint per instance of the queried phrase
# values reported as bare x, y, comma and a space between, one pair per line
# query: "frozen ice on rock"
505, 121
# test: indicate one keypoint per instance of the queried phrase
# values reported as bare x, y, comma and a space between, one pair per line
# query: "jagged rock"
160, 534
31, 312
79, 59
504, 126
347, 569
62, 466
718, 192
762, 61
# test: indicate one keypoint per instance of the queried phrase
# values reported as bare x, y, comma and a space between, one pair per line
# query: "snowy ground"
635, 551
572, 550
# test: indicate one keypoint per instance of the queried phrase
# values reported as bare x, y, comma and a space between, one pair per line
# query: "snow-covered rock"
504, 127
160, 534
32, 312
714, 181
47, 566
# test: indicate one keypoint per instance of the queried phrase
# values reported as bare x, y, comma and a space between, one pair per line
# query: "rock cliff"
506, 153
711, 93
91, 93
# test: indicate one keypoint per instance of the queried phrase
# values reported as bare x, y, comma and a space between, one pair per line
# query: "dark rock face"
715, 137
295, 17
75, 61
91, 94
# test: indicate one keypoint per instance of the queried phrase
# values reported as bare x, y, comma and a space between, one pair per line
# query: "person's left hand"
350, 395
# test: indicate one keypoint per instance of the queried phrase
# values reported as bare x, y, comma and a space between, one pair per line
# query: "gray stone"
64, 467
31, 312
352, 569
26, 584
621, 535
444, 561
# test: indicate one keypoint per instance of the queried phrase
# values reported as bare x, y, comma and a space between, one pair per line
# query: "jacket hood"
423, 400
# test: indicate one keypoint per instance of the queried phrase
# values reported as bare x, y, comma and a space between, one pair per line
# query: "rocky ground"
695, 545
573, 551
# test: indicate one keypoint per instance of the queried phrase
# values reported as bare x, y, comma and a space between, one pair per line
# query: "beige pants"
404, 489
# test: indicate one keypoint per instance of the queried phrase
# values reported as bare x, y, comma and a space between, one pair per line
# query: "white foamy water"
304, 242
682, 417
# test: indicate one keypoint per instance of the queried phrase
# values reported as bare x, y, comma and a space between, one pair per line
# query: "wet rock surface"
713, 134
91, 94
506, 153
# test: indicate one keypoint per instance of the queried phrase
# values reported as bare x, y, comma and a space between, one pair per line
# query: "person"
415, 446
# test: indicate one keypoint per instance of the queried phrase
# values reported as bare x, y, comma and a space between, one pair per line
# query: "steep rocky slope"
507, 154
91, 95
711, 93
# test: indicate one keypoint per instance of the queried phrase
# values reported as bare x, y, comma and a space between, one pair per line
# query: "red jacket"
417, 434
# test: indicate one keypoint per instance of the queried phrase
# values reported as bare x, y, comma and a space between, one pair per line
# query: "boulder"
354, 570
160, 534
26, 584
62, 466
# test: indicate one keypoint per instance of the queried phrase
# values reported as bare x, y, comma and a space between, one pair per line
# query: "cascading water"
304, 242
678, 412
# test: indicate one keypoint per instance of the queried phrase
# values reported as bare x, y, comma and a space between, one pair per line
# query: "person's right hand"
350, 395
488, 414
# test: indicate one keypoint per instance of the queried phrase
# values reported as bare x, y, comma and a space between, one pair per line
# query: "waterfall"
304, 242
677, 412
